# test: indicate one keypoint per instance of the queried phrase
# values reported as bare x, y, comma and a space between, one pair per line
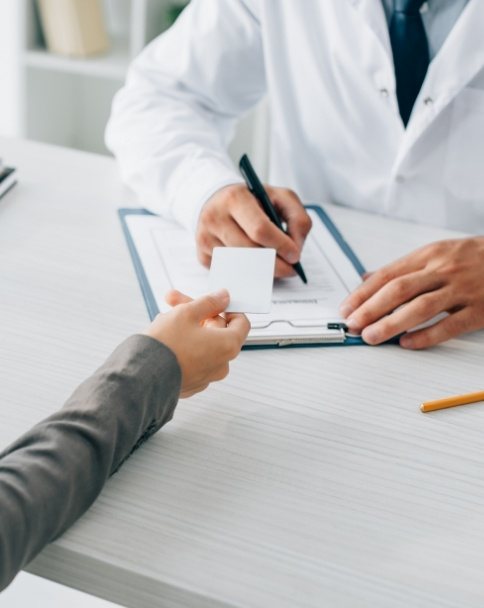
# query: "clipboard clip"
342, 326
293, 332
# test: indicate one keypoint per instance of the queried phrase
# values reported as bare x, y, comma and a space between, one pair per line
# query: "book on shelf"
8, 178
75, 28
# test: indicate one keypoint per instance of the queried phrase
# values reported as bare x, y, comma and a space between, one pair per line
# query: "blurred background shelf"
67, 101
112, 64
78, 92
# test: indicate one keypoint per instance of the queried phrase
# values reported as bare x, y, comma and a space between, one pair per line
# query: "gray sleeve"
52, 474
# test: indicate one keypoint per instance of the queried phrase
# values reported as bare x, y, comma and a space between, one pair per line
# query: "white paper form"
168, 254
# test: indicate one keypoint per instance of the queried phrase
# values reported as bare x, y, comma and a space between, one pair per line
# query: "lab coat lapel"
373, 15
458, 61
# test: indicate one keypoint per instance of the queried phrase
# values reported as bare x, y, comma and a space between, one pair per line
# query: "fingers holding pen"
292, 211
234, 217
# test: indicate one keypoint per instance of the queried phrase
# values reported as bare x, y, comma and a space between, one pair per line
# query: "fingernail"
406, 342
345, 310
371, 335
351, 323
292, 257
221, 294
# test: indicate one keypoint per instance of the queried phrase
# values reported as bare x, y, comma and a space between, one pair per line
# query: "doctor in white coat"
374, 104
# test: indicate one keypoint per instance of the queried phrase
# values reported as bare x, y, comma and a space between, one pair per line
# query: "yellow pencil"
440, 404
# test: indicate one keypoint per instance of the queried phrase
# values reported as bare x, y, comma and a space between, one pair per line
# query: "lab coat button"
428, 101
384, 92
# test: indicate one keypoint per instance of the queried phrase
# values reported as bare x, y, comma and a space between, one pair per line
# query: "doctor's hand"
233, 217
202, 340
444, 277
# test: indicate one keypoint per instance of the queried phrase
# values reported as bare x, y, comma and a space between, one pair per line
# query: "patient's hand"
202, 340
447, 276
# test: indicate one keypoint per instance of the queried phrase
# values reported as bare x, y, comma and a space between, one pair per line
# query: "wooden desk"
308, 478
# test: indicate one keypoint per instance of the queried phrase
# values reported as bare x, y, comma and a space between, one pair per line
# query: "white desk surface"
308, 478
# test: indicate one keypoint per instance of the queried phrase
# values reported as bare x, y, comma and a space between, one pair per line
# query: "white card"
248, 275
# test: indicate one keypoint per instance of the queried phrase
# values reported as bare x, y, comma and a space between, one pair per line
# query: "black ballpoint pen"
257, 189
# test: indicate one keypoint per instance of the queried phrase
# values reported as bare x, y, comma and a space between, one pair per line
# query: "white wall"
10, 45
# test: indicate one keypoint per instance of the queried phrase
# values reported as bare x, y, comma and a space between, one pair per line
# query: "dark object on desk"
257, 189
8, 179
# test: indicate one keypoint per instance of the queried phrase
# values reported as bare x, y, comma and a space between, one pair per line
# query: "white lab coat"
336, 133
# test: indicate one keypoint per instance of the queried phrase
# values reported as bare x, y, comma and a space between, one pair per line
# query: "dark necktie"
410, 52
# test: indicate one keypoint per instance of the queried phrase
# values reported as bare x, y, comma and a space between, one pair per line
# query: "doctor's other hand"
233, 217
444, 277
203, 350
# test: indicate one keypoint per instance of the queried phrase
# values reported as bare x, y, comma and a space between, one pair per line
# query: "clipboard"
279, 332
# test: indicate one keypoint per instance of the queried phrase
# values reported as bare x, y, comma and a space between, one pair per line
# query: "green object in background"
173, 11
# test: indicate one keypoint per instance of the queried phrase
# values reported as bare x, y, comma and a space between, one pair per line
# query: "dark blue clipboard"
152, 306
